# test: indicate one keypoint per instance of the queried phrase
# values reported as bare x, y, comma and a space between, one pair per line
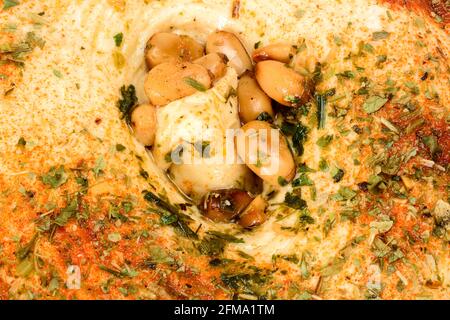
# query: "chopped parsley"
324, 141
128, 101
348, 74
303, 180
99, 166
293, 100
299, 137
323, 165
321, 101
9, 4
57, 73
66, 213
368, 48
118, 39
337, 174
282, 181
380, 35
22, 142
55, 177
120, 147
194, 84
203, 148
373, 104
214, 243
432, 144
294, 201
124, 273
165, 209
264, 116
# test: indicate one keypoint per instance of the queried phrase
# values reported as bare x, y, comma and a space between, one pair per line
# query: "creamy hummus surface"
73, 178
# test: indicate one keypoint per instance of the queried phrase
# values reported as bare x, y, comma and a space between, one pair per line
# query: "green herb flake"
373, 104
264, 116
9, 4
124, 273
282, 181
348, 74
382, 226
305, 219
257, 45
381, 59
344, 193
324, 141
337, 174
114, 237
414, 89
299, 137
302, 180
368, 48
24, 252
53, 284
55, 177
128, 101
194, 84
144, 174
99, 166
214, 243
22, 142
118, 59
120, 147
25, 267
299, 13
294, 201
432, 144
337, 41
180, 223
203, 148
66, 213
82, 182
293, 100
380, 35
323, 165
321, 101
57, 73
303, 168
118, 39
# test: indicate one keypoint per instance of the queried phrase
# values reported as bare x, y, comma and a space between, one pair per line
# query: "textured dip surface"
75, 223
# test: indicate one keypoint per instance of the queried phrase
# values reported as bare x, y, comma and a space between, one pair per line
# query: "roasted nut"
252, 100
278, 51
215, 63
170, 47
143, 122
283, 84
268, 159
225, 205
254, 215
229, 45
171, 81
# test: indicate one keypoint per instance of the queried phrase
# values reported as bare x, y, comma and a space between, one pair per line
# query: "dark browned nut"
254, 215
225, 205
